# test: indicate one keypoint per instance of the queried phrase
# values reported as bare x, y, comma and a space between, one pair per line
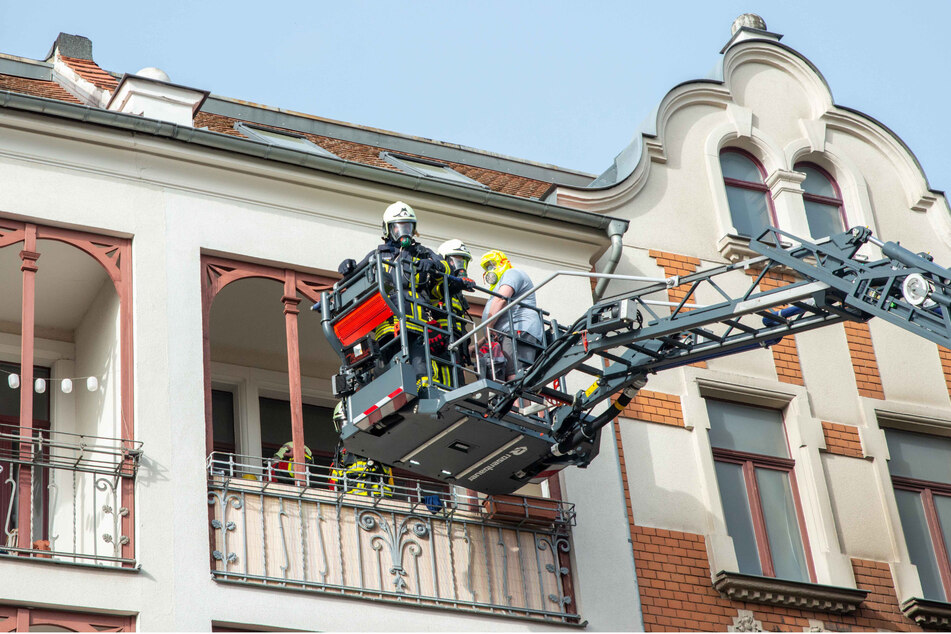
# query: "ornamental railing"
406, 541
79, 487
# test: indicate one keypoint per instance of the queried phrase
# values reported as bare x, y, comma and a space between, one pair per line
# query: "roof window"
281, 139
432, 169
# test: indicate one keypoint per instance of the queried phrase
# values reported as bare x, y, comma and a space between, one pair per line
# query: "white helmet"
456, 253
399, 220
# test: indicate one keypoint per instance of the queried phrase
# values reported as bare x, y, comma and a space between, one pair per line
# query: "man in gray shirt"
526, 322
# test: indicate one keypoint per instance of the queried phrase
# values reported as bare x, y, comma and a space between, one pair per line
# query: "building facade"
160, 248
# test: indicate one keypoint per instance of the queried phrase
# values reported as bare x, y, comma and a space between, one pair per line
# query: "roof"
353, 143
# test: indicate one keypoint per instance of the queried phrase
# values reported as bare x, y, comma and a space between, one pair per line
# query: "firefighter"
281, 467
399, 229
457, 257
522, 322
360, 476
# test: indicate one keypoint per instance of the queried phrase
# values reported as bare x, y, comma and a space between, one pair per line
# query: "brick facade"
656, 407
864, 362
785, 353
677, 265
842, 440
677, 594
945, 355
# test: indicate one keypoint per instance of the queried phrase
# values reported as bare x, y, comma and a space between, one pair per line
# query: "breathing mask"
495, 264
402, 233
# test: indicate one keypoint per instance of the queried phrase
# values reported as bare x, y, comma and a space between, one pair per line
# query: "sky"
559, 82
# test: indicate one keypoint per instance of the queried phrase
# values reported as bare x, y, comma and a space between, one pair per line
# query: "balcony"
428, 544
80, 491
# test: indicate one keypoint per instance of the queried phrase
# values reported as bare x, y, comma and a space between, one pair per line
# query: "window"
282, 139
750, 203
222, 417
9, 446
319, 433
758, 490
822, 200
921, 474
431, 169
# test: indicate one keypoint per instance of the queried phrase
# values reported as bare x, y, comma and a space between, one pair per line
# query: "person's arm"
497, 303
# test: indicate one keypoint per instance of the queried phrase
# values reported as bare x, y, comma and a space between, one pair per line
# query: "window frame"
404, 163
749, 462
251, 131
748, 185
824, 200
926, 490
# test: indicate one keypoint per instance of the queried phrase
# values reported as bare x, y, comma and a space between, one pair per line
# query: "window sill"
930, 614
770, 591
735, 248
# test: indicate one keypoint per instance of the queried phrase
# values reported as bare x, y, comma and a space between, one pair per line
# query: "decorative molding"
931, 614
770, 591
815, 131
815, 626
745, 621
785, 181
734, 248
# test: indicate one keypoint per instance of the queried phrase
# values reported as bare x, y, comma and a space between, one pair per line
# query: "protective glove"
347, 266
457, 284
437, 340
425, 266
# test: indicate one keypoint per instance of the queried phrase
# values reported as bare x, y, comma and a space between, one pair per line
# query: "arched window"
823, 202
746, 191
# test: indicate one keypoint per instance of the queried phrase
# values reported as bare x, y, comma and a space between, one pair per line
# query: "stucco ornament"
749, 20
745, 622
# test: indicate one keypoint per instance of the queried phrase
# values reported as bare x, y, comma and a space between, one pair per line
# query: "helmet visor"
402, 229
458, 262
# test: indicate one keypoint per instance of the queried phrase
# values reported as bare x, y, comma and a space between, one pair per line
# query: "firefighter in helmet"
281, 466
355, 474
399, 231
457, 257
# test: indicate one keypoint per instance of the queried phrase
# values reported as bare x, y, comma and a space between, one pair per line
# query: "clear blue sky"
559, 82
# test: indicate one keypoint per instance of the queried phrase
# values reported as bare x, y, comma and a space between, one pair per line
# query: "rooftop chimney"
149, 93
75, 46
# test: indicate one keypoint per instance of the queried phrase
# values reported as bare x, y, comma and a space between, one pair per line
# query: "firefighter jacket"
364, 477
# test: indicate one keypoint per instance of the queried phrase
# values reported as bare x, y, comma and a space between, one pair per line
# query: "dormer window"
281, 139
822, 200
747, 193
430, 169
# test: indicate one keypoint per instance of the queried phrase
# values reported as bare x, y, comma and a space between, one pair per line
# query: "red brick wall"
656, 407
785, 353
945, 355
677, 595
864, 362
842, 440
674, 264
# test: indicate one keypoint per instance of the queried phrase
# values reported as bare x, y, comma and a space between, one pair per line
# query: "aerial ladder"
463, 424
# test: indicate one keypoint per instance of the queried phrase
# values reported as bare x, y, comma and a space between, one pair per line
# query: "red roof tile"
90, 71
36, 87
370, 155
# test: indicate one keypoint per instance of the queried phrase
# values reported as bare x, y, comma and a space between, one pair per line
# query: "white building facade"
160, 248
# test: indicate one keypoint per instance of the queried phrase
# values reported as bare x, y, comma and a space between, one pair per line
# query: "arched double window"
822, 200
751, 208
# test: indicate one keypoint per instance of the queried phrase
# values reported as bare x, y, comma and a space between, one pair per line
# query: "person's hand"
347, 266
468, 283
425, 266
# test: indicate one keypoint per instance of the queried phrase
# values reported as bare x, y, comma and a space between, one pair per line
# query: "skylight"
431, 169
281, 139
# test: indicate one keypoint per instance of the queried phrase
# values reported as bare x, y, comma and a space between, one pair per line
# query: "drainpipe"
615, 230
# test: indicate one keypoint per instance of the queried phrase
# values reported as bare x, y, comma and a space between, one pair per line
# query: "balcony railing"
425, 544
79, 487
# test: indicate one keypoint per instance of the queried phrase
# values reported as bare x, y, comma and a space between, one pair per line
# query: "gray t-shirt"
525, 319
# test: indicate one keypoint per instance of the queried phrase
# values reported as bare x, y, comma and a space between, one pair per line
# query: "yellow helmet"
495, 264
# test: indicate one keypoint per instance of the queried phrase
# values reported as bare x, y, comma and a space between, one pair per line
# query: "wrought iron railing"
76, 491
407, 541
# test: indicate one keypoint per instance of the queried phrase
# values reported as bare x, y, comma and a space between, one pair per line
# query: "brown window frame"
759, 187
749, 463
825, 200
927, 489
